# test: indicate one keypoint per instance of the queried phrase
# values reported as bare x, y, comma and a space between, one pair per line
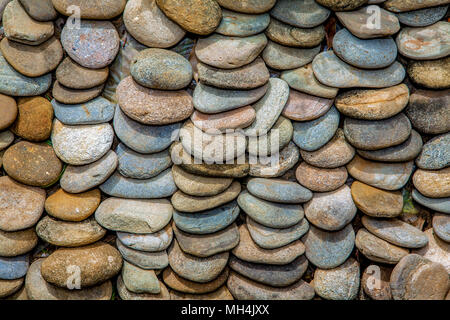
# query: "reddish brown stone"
304, 107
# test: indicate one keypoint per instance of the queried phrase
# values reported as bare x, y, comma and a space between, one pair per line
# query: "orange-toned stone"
215, 123
8, 107
305, 107
174, 281
433, 183
34, 121
320, 179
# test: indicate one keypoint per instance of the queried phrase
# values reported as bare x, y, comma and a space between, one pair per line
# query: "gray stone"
437, 204
142, 259
98, 110
276, 190
436, 250
303, 13
441, 226
422, 17
139, 280
150, 242
235, 24
281, 57
435, 153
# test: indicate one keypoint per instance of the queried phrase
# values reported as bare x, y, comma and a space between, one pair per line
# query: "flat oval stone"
220, 294
342, 5
395, 231
194, 268
32, 61
432, 183
174, 281
270, 214
303, 14
386, 176
271, 275
304, 107
234, 119
422, 17
248, 6
107, 264
153, 107
250, 76
72, 75
435, 153
94, 44
198, 16
142, 259
429, 111
126, 294
333, 72
320, 179
379, 134
271, 238
276, 190
375, 104
243, 288
288, 35
436, 250
209, 244
10, 288
375, 202
207, 222
377, 249
142, 18
312, 135
431, 74
140, 280
69, 234
76, 179
441, 226
214, 100
326, 249
437, 204
151, 242
304, 80
408, 5
34, 121
13, 83
34, 164
9, 111
17, 243
40, 10
281, 57
235, 24
229, 52
98, 110
6, 138
249, 251
187, 203
89, 9
12, 268
358, 22
161, 69
425, 43
91, 141
75, 96
366, 54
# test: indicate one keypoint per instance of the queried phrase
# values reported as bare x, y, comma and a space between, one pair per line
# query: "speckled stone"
9, 111
248, 6
237, 24
75, 96
174, 281
91, 9
432, 183
431, 74
342, 5
303, 14
409, 5
151, 242
6, 138
435, 153
126, 294
34, 120
436, 250
276, 190
19, 242
278, 137
98, 110
437, 204
281, 57
142, 259
304, 107
327, 250
220, 122
441, 226
320, 179
291, 36
207, 222
140, 280
12, 268
375, 282
422, 17
9, 287
220, 294
71, 75
39, 10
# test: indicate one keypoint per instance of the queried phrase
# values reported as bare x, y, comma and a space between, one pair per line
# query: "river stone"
186, 203
441, 226
97, 9
437, 204
377, 249
304, 80
405, 151
9, 111
6, 138
366, 54
125, 294
229, 52
20, 27
76, 179
436, 250
327, 250
134, 216
303, 14
220, 294
139, 280
194, 268
91, 141
376, 202
332, 71
435, 153
72, 207
220, 122
243, 288
71, 75
312, 135
207, 222
9, 287
248, 6
277, 139
304, 107
235, 24
151, 242
19, 295
276, 190
142, 259
320, 179
417, 278
422, 17
12, 268
13, 83
34, 164
207, 245
432, 74
249, 251
250, 76
34, 121
75, 96
432, 183
340, 283
161, 69
93, 45
270, 238
395, 231
270, 214
342, 5
291, 36
386, 176
22, 205
409, 5
281, 57
214, 100
95, 111
196, 185
174, 281
142, 18
19, 242
39, 10
32, 61
69, 234
375, 104
375, 282
97, 262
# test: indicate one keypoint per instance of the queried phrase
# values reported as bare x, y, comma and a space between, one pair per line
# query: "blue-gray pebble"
237, 24
98, 110
435, 153
13, 267
422, 17
436, 204
278, 190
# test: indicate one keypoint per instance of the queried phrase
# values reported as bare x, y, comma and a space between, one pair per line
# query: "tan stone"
72, 75
17, 243
9, 287
305, 107
174, 281
375, 282
221, 294
91, 9
248, 6
221, 122
288, 35
9, 111
320, 179
74, 96
433, 183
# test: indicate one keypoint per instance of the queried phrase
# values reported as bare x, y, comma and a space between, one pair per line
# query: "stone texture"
303, 14
95, 111
408, 5
6, 138
277, 190
237, 24
435, 153
436, 250
219, 123
139, 280
342, 5
304, 107
39, 10
432, 183
125, 294
437, 204
150, 242
441, 226
288, 35
174, 281
431, 74
17, 243
281, 57
248, 6
220, 294
75, 96
72, 75
9, 111
89, 9
375, 282
422, 17
320, 179
12, 268
9, 287
142, 259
